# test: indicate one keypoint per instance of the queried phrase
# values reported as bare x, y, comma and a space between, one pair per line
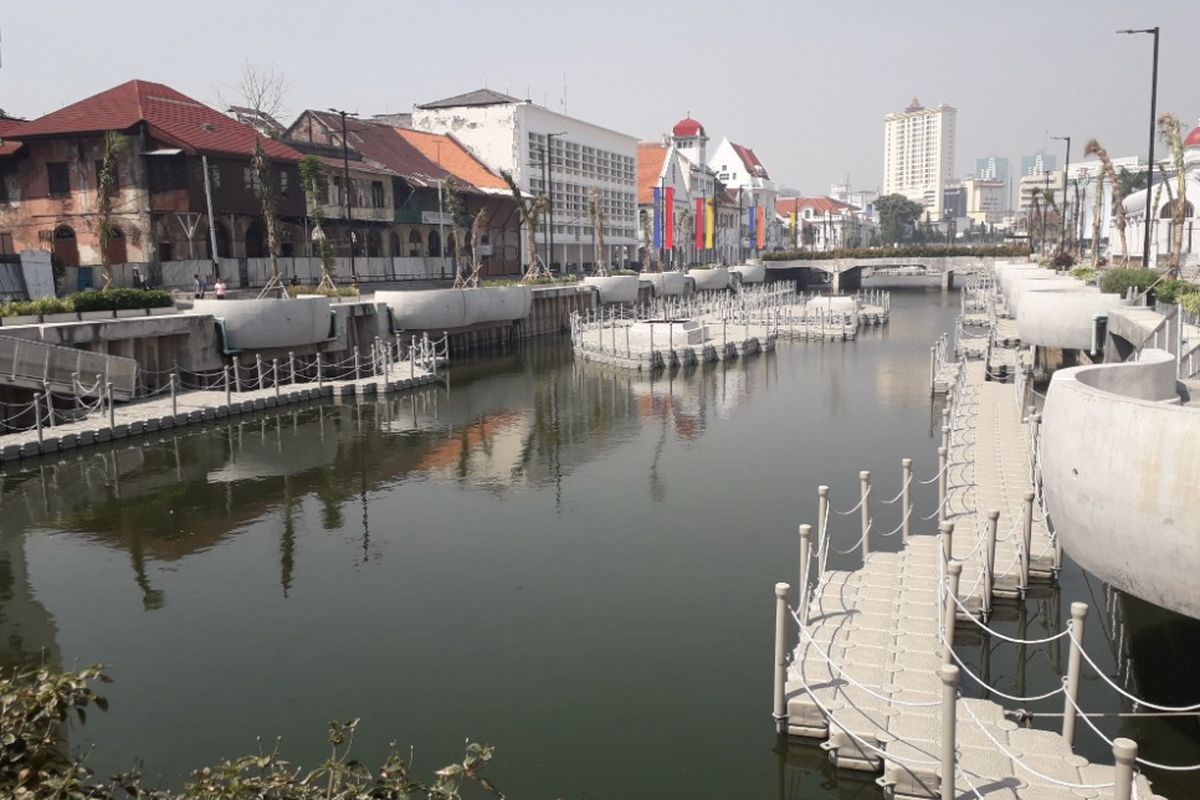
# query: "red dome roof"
687, 127
1193, 139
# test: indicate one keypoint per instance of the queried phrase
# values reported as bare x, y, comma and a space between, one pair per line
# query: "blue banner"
658, 209
752, 219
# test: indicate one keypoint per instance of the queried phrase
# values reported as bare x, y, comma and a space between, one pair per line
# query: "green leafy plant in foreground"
36, 705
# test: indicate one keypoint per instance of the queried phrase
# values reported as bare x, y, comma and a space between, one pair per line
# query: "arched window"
1168, 210
256, 245
116, 247
415, 243
66, 249
374, 244
223, 247
394, 245
435, 244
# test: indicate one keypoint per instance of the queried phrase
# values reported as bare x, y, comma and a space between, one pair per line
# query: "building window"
3, 185
377, 194
59, 178
283, 182
214, 175
6, 244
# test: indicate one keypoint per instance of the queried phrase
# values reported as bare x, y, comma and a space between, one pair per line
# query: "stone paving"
194, 407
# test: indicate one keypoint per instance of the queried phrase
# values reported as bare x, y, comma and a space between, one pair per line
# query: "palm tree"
1171, 132
455, 210
596, 214
1093, 148
312, 178
266, 199
1096, 220
106, 185
648, 235
478, 226
1035, 220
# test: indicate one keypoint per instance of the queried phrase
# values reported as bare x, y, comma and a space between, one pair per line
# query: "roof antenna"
564, 94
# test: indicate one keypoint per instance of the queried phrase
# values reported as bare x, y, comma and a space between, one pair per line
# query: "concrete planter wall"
1062, 318
751, 273
710, 280
615, 288
1119, 469
22, 319
269, 323
666, 284
444, 309
1019, 287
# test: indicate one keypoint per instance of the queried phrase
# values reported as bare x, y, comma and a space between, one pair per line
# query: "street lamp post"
1153, 114
1062, 245
346, 183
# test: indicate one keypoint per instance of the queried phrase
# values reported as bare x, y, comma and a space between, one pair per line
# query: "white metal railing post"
228, 388
1078, 613
950, 613
275, 375
781, 611
905, 498
1035, 423
946, 530
989, 564
942, 452
864, 494
1125, 755
356, 365
291, 368
112, 414
37, 414
258, 367
320, 377
237, 375
949, 675
1026, 539
805, 561
822, 517
174, 399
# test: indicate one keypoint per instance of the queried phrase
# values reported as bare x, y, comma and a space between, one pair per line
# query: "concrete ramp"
32, 365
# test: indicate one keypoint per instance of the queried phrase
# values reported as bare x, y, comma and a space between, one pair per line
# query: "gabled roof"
452, 155
10, 127
169, 115
750, 161
819, 205
479, 97
385, 145
650, 159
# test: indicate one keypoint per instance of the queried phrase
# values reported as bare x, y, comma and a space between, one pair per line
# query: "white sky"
806, 84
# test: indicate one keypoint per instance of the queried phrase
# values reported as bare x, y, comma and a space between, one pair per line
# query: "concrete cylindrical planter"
123, 313
444, 309
65, 316
89, 315
666, 284
270, 322
22, 319
711, 279
615, 288
751, 273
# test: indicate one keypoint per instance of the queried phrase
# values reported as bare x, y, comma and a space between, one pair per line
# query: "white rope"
1143, 761
1127, 695
994, 690
896, 529
938, 508
938, 475
857, 505
997, 634
900, 493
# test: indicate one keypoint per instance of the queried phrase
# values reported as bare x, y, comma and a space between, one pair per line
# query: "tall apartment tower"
918, 154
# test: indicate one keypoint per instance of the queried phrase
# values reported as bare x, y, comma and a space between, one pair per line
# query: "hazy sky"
806, 84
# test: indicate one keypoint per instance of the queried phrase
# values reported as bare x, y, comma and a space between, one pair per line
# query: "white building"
739, 169
533, 142
918, 153
1046, 182
1161, 217
824, 223
986, 200
863, 199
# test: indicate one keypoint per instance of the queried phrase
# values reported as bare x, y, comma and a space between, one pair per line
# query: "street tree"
897, 216
106, 188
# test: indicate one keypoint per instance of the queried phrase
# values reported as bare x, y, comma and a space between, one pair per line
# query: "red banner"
699, 223
761, 229
669, 219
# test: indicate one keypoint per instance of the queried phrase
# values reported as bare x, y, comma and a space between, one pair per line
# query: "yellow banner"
708, 225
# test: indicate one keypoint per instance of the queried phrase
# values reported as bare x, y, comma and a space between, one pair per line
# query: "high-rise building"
918, 154
1038, 164
991, 168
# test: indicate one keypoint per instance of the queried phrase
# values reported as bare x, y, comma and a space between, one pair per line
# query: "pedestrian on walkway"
219, 288
198, 286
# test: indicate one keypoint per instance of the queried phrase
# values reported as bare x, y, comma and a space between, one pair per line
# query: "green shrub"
113, 299
622, 272
42, 305
1191, 302
1172, 291
1085, 274
337, 291
1117, 281
555, 281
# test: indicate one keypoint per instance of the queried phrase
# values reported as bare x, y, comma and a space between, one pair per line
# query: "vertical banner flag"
699, 223
658, 238
792, 229
708, 226
751, 218
669, 219
760, 229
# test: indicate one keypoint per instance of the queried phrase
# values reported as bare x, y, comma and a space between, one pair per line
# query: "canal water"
570, 562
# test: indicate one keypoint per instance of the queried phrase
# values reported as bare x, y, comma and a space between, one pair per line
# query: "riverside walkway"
229, 392
873, 675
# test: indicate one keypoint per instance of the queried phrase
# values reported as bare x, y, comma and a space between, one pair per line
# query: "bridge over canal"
846, 274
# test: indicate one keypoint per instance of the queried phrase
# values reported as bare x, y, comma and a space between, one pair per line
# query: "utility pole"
346, 186
550, 197
1062, 245
1153, 122
212, 221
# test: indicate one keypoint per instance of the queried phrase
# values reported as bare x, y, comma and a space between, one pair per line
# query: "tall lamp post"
346, 184
1153, 114
1062, 245
550, 195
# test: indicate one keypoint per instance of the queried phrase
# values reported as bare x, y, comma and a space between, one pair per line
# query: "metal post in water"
174, 405
864, 494
356, 365
1035, 422
291, 368
932, 368
1078, 613
320, 378
1027, 539
228, 388
275, 375
953, 574
237, 375
112, 413
822, 517
942, 452
949, 675
627, 327
1125, 755
805, 556
258, 366
37, 414
989, 564
905, 499
781, 611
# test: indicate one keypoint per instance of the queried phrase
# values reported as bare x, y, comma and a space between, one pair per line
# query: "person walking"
219, 288
198, 286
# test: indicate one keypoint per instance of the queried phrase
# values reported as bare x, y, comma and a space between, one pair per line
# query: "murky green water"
570, 562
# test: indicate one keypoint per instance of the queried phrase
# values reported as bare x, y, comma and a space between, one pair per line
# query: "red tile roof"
452, 155
650, 158
687, 127
384, 144
750, 160
819, 205
170, 116
1193, 139
10, 127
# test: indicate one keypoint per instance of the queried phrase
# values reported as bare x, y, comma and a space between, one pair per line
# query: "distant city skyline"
809, 133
